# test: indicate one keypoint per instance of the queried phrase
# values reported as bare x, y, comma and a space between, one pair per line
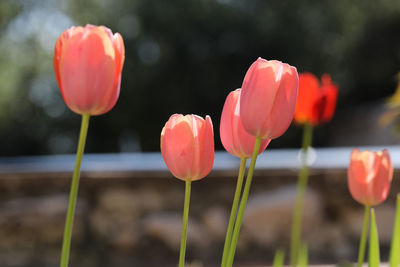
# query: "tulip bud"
234, 137
88, 63
187, 146
369, 176
315, 104
268, 98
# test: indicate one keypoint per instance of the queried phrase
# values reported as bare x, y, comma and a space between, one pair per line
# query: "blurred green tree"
184, 56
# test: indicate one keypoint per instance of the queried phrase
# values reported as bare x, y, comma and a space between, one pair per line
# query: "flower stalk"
185, 219
69, 221
373, 252
301, 191
395, 246
363, 240
232, 217
243, 202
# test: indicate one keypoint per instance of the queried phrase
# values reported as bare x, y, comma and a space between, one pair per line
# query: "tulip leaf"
374, 258
395, 247
303, 255
279, 258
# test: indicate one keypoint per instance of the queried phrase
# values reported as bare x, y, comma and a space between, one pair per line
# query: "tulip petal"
112, 96
315, 104
307, 92
119, 49
371, 162
369, 176
282, 111
356, 173
381, 184
258, 94
226, 129
59, 52
206, 149
330, 91
187, 146
177, 148
197, 127
235, 139
88, 62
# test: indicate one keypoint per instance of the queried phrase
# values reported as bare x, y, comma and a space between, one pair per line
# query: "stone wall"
134, 219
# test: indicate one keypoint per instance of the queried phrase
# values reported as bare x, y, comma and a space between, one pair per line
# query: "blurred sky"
185, 56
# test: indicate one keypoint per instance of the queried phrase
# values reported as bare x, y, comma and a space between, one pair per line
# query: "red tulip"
268, 98
88, 63
315, 104
187, 146
234, 137
369, 176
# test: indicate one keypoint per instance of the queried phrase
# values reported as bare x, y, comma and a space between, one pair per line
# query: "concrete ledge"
284, 161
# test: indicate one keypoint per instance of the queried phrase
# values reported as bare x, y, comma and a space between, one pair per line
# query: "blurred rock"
268, 215
117, 214
194, 264
384, 215
27, 221
124, 200
353, 221
330, 239
216, 221
122, 222
125, 239
167, 227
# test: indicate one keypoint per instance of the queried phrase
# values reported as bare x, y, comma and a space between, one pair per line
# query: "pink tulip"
369, 176
234, 137
268, 98
88, 63
187, 146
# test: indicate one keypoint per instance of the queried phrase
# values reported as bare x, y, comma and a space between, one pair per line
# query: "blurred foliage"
393, 109
184, 56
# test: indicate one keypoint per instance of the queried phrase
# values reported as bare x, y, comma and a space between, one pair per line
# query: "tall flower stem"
395, 247
232, 217
185, 223
69, 221
301, 191
373, 253
243, 202
279, 258
363, 240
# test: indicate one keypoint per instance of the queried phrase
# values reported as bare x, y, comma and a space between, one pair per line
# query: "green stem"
363, 240
303, 255
232, 217
373, 253
395, 247
74, 192
243, 202
279, 258
299, 202
185, 223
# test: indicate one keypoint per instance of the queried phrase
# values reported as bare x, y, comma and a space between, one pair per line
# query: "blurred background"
185, 56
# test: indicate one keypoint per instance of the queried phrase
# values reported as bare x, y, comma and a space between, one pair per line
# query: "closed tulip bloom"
88, 63
187, 146
234, 137
268, 98
315, 103
369, 176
